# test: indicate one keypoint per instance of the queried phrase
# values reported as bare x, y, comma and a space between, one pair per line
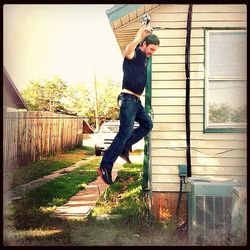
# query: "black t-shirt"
135, 72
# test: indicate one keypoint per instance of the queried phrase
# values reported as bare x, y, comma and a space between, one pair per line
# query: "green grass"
40, 168
123, 196
38, 204
133, 224
29, 222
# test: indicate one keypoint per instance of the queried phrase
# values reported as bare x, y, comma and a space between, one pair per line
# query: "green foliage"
124, 198
30, 221
223, 113
239, 115
30, 211
46, 95
55, 96
108, 99
78, 99
39, 168
107, 93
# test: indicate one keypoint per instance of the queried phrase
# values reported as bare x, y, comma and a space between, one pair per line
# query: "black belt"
131, 95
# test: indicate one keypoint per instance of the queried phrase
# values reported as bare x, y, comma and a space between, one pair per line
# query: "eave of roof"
122, 15
22, 103
120, 10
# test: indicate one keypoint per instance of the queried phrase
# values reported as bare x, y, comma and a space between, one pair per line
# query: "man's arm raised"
144, 30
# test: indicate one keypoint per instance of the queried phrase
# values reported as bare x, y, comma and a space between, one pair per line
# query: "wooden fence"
29, 136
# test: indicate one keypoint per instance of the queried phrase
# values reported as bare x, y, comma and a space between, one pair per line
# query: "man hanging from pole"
136, 56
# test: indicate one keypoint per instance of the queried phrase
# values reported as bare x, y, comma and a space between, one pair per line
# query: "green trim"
225, 28
121, 10
204, 82
148, 109
148, 87
225, 130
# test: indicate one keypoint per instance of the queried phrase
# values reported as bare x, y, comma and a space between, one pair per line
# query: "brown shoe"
125, 158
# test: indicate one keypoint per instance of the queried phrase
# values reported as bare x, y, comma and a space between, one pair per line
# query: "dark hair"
151, 39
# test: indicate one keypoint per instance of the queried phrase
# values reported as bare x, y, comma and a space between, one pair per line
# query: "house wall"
168, 99
209, 151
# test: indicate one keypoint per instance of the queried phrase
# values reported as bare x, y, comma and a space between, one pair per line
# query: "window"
225, 81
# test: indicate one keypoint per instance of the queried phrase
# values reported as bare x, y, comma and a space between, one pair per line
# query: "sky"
69, 41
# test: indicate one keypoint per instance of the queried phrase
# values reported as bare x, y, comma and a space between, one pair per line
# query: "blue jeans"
131, 110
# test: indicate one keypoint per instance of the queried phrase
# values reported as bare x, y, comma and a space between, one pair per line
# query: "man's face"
149, 50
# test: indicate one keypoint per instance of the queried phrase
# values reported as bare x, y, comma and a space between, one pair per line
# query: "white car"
104, 137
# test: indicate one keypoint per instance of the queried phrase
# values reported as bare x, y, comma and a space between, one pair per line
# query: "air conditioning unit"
210, 210
239, 216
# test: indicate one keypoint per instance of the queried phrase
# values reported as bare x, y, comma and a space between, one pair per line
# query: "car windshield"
110, 129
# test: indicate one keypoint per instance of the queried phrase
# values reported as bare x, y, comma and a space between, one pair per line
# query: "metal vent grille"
212, 218
209, 211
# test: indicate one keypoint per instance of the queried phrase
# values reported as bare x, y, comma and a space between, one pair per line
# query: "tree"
78, 99
45, 96
107, 99
33, 96
107, 92
220, 113
54, 91
55, 96
240, 115
223, 113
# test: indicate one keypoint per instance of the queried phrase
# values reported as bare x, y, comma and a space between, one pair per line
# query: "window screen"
226, 56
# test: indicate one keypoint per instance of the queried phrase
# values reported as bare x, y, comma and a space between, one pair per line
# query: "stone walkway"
21, 190
79, 205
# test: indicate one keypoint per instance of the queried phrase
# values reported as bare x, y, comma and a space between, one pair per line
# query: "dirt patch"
103, 233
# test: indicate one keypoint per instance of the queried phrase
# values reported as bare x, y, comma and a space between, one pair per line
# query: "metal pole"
96, 102
187, 69
146, 162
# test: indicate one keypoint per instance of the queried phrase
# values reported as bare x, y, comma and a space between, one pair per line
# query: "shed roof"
12, 98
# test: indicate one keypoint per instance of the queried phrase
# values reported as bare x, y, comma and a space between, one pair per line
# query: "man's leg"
128, 111
146, 125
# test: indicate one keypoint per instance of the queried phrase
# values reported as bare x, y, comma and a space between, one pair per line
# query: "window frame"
206, 128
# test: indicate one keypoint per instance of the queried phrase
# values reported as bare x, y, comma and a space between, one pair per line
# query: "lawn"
37, 169
120, 217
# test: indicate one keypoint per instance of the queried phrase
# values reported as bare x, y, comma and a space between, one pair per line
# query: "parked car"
104, 137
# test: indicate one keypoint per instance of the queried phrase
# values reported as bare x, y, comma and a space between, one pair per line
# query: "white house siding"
213, 154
